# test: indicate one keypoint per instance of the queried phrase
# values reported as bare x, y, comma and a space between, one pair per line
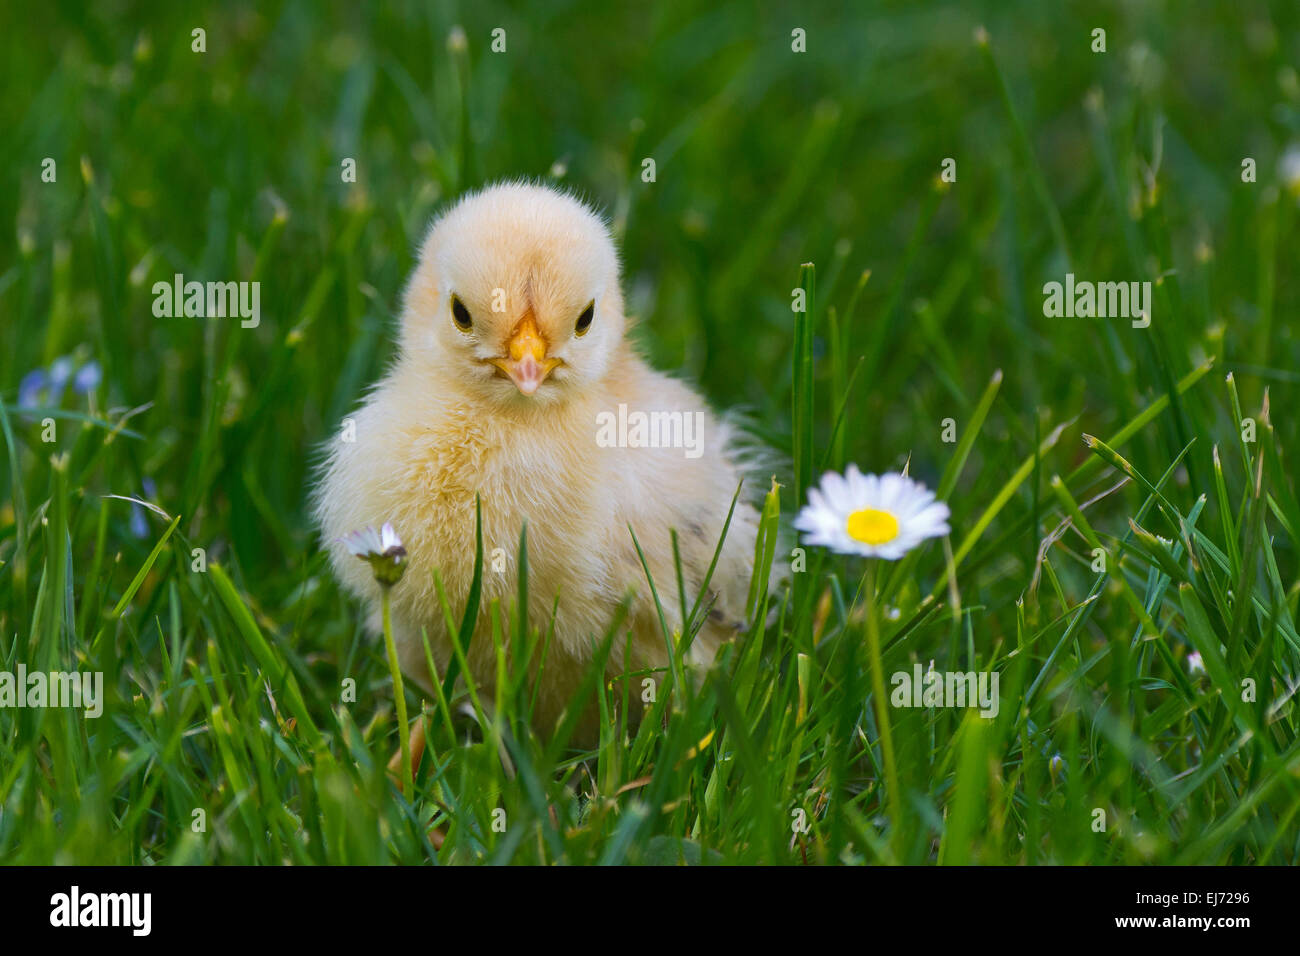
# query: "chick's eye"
584, 320
460, 315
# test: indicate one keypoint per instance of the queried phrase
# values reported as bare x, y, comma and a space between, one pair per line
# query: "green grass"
226, 687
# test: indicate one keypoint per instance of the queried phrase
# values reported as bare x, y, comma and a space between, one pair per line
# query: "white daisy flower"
877, 516
382, 549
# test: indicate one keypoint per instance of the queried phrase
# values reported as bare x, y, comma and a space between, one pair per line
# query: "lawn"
1125, 521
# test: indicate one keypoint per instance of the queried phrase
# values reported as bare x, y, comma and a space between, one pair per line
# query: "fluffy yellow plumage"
512, 365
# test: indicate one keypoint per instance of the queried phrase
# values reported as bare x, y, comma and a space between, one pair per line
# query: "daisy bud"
382, 549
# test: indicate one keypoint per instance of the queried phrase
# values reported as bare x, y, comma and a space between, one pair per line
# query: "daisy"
877, 516
387, 558
382, 548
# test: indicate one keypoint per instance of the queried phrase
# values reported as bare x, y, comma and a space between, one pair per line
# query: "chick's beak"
526, 364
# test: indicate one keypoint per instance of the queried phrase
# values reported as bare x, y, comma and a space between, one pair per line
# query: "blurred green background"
765, 159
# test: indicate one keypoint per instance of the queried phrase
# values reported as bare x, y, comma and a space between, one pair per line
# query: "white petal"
388, 537
930, 523
839, 495
857, 485
917, 501
870, 492
361, 542
893, 493
815, 516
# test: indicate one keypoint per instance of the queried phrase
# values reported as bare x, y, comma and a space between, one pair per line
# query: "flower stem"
399, 694
882, 706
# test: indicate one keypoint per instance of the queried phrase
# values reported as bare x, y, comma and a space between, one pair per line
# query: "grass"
248, 717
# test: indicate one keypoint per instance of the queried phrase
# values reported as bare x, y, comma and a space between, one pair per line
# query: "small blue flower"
87, 378
60, 371
31, 387
139, 527
60, 375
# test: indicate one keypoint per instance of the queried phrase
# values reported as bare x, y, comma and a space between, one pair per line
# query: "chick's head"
516, 297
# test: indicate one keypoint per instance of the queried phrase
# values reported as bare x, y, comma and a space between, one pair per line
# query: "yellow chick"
514, 381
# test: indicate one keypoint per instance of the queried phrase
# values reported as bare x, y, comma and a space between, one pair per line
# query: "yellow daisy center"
872, 527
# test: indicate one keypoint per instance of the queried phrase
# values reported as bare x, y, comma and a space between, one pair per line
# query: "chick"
511, 369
